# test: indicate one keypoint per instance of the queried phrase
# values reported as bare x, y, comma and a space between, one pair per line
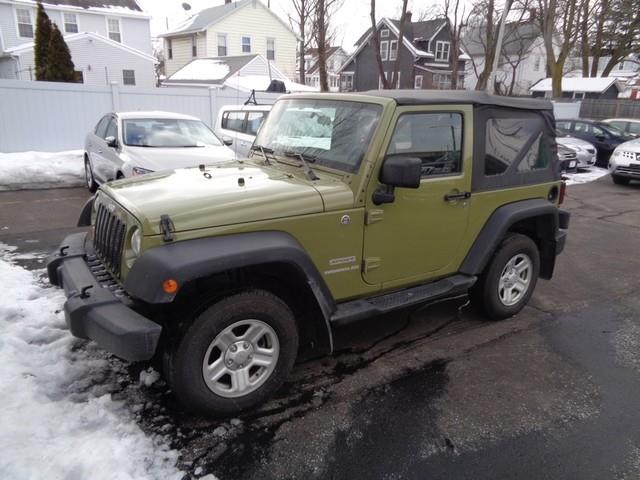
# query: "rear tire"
235, 354
618, 180
88, 176
507, 283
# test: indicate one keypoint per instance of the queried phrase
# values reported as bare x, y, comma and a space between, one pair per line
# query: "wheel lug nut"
229, 362
245, 345
250, 357
233, 348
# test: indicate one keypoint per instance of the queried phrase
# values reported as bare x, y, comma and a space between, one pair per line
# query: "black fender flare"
500, 221
189, 260
85, 215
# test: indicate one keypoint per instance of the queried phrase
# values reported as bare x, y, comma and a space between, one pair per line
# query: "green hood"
226, 194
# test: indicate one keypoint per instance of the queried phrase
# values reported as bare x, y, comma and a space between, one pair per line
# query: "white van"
240, 123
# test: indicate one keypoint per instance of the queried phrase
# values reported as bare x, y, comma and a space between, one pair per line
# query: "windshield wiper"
264, 151
307, 168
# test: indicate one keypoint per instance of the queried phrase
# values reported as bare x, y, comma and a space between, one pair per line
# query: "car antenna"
252, 99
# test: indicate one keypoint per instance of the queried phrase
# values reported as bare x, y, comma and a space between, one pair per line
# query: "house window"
194, 46
78, 76
70, 22
271, 48
25, 22
442, 51
578, 95
246, 44
621, 66
441, 81
113, 28
417, 83
222, 45
169, 49
384, 50
128, 77
393, 49
384, 33
347, 82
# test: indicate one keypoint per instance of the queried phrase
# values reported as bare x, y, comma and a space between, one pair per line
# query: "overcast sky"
350, 21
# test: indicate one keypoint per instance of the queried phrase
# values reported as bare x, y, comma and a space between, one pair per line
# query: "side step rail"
355, 310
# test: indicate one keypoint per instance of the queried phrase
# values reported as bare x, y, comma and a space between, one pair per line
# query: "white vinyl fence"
51, 117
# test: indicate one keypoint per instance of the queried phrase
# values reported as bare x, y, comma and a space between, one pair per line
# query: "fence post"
115, 96
213, 101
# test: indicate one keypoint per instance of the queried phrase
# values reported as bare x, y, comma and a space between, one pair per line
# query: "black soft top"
435, 97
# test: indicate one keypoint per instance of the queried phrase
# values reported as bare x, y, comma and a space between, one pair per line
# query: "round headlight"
135, 242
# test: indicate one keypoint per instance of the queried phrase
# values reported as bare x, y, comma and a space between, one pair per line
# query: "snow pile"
26, 170
56, 420
586, 176
202, 69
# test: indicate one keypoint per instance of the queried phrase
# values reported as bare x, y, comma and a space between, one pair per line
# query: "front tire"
618, 180
507, 283
88, 176
235, 355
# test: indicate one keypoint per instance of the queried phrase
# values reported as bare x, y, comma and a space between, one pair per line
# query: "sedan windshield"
332, 133
613, 130
168, 133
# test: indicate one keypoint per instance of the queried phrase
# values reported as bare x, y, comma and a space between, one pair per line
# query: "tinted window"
564, 126
233, 121
583, 128
112, 129
101, 128
434, 137
513, 140
254, 120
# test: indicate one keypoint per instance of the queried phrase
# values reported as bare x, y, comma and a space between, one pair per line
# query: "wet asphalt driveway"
435, 392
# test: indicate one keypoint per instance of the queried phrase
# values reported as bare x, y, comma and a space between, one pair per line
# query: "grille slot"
108, 240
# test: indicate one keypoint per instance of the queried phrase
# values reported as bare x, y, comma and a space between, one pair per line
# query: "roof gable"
131, 5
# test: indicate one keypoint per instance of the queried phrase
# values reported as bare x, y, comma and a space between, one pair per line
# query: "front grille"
108, 240
106, 279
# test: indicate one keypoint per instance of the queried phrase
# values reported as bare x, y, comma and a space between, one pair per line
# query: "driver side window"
436, 138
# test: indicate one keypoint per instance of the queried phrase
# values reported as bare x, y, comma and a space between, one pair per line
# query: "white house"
336, 56
232, 29
109, 40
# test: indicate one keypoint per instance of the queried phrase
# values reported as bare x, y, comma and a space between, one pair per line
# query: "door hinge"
373, 216
371, 263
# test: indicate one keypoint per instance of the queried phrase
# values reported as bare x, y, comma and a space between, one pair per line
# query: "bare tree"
455, 23
622, 33
324, 34
375, 37
560, 22
395, 83
302, 23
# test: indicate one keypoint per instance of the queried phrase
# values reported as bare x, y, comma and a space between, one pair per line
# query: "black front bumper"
93, 311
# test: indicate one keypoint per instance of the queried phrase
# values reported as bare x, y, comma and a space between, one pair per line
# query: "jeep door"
420, 234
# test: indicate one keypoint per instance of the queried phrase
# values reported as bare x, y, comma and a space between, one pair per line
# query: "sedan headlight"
135, 171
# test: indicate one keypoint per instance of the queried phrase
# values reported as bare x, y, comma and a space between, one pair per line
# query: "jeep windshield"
168, 133
333, 133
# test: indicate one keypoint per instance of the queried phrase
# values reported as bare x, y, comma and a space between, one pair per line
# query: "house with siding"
230, 29
424, 61
109, 40
336, 56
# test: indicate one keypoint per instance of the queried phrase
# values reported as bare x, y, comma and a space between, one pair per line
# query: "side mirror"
228, 141
112, 142
398, 171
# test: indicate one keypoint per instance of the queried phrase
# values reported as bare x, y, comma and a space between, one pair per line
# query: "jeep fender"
194, 259
503, 219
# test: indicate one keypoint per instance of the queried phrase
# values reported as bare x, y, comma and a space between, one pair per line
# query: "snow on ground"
586, 176
27, 170
58, 419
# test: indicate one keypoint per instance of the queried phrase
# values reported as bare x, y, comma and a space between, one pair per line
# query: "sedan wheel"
88, 176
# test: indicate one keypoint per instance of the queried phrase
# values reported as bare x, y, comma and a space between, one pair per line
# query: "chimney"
407, 16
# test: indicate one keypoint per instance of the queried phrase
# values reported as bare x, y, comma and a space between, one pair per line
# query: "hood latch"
166, 225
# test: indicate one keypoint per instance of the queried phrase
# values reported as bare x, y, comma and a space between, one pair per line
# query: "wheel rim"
515, 279
88, 174
241, 358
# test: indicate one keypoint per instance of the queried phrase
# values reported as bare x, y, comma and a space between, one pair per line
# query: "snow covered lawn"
26, 170
586, 176
58, 419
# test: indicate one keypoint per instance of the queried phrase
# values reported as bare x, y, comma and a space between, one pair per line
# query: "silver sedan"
129, 144
585, 152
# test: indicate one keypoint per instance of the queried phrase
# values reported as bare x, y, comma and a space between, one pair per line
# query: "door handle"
454, 197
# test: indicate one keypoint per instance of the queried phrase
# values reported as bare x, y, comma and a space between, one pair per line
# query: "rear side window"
254, 120
563, 126
434, 137
233, 121
511, 140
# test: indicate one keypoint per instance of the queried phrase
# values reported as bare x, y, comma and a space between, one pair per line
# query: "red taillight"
563, 191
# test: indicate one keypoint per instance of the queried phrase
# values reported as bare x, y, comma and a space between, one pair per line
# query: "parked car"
585, 152
240, 124
227, 274
604, 137
127, 144
630, 126
568, 159
624, 164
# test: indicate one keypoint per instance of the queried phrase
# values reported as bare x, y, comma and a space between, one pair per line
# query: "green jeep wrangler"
350, 206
